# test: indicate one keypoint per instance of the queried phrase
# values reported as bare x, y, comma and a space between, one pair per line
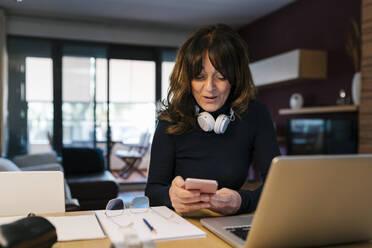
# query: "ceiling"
175, 13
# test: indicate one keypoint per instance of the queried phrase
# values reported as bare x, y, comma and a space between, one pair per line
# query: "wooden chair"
132, 156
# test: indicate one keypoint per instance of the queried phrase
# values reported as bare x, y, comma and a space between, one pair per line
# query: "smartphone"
204, 185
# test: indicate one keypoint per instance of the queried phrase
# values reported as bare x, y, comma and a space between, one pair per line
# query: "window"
78, 75
72, 106
166, 70
39, 97
132, 99
101, 100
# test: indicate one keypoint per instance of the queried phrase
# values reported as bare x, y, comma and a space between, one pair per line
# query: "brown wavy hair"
228, 54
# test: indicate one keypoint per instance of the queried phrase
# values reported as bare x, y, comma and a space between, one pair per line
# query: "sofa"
88, 177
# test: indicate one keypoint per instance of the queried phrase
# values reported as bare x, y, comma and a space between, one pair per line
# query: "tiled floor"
128, 196
133, 178
131, 187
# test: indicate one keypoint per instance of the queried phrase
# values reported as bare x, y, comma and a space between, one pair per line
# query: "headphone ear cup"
221, 124
206, 121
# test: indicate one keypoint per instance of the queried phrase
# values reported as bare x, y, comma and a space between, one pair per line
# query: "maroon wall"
315, 24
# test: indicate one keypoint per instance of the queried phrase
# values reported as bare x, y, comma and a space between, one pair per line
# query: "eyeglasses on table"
117, 207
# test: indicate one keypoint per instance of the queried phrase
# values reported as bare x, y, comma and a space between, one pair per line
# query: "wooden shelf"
319, 110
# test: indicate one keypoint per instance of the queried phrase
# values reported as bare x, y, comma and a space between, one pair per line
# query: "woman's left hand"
225, 201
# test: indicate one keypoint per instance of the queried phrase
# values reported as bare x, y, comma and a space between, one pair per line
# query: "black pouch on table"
29, 232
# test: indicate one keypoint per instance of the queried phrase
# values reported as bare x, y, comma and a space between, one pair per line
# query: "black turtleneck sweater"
222, 157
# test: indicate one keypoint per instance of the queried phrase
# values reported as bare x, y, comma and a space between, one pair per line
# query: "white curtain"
3, 83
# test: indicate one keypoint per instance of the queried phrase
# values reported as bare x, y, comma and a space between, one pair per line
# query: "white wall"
123, 33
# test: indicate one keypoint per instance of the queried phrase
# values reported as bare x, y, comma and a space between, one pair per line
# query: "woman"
211, 87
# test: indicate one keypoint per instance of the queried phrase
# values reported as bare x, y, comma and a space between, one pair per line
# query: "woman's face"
210, 89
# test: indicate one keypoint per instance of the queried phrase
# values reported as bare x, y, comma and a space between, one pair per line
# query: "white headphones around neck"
207, 122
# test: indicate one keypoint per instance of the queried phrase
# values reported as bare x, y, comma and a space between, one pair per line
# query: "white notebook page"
168, 225
78, 227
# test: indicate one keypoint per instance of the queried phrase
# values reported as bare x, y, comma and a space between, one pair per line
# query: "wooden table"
211, 241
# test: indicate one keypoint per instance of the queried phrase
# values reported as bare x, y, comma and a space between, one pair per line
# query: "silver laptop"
23, 192
306, 201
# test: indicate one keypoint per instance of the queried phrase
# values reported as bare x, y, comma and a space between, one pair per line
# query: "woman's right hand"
187, 200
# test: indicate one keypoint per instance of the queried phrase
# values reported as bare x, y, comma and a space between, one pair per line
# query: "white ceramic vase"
296, 101
355, 88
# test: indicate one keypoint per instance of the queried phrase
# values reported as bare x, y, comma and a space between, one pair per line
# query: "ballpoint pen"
152, 229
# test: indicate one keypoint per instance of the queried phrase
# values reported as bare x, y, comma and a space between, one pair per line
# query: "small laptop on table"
306, 201
23, 192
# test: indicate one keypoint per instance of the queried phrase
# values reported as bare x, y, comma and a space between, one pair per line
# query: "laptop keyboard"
240, 231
